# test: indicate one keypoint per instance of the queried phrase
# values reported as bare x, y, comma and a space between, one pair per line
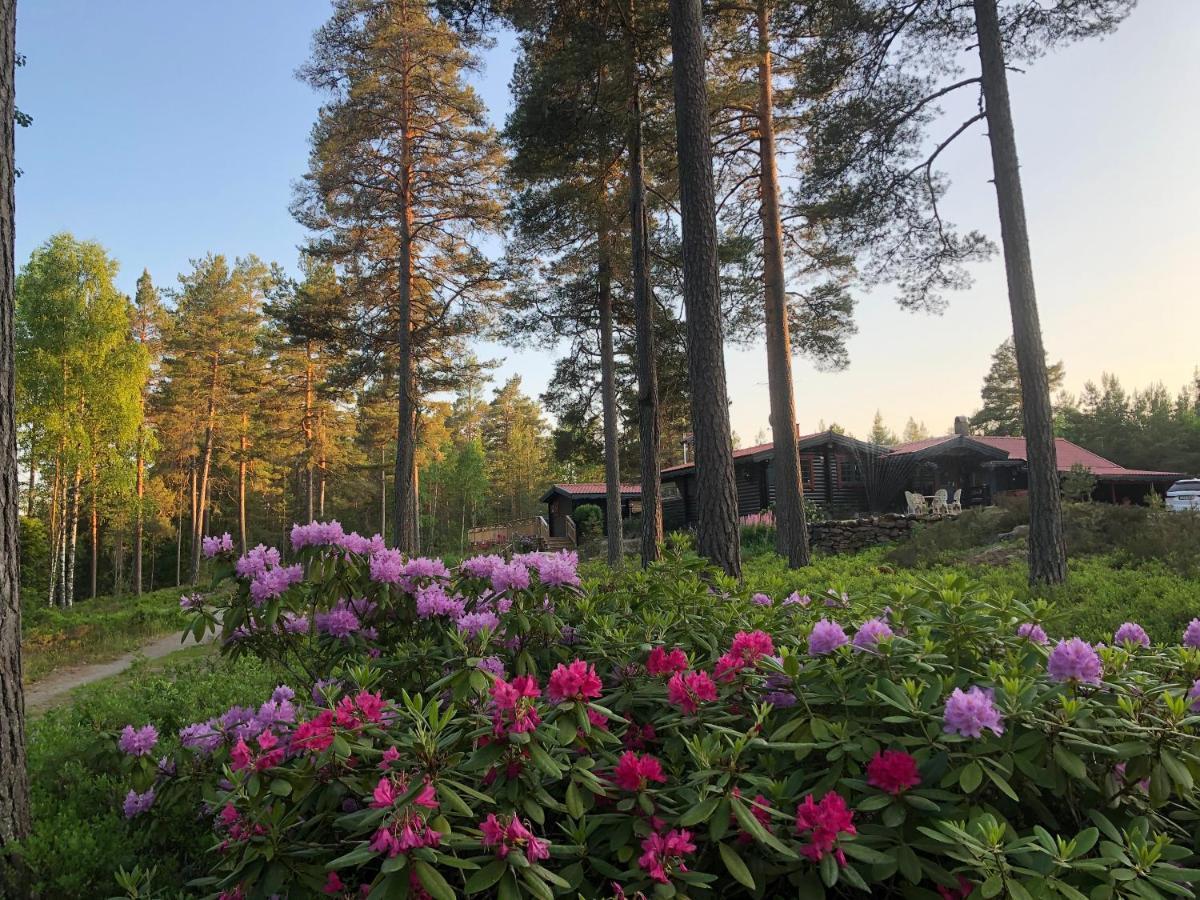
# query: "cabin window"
850, 470
670, 490
806, 472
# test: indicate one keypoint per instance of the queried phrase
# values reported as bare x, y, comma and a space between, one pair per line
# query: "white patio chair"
916, 504
940, 505
956, 503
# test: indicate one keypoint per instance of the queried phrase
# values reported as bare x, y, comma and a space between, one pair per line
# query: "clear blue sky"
165, 130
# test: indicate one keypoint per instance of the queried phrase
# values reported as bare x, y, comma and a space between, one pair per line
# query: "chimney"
962, 425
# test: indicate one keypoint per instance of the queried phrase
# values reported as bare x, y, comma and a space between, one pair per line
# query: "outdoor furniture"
956, 503
916, 504
940, 505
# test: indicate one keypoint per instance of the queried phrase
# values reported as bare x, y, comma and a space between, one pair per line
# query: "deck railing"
535, 528
569, 532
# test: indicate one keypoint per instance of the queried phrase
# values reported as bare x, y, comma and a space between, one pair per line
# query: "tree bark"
643, 316
608, 397
1047, 549
95, 536
791, 533
139, 514
32, 484
716, 496
308, 428
244, 446
55, 528
205, 467
14, 784
72, 538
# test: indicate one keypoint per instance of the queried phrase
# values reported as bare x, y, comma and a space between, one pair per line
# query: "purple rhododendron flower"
480, 566
1131, 634
794, 599
761, 600
493, 665
1194, 696
1033, 632
339, 622
825, 637
318, 534
556, 569
870, 633
201, 736
138, 741
387, 566
274, 581
293, 623
1191, 634
1074, 661
432, 600
509, 575
136, 804
970, 712
191, 602
473, 623
569, 635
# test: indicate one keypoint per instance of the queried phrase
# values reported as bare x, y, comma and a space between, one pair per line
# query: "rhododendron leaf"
894, 815
1177, 770
449, 797
750, 824
486, 877
1002, 783
543, 761
909, 865
432, 881
851, 875
876, 801
341, 747
566, 731
534, 810
699, 812
1017, 892
735, 866
719, 823
916, 801
829, 870
1071, 764
281, 787
574, 801
866, 854
970, 777
809, 887
358, 855
547, 875
394, 864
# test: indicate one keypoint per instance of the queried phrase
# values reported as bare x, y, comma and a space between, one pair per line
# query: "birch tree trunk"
1047, 549
139, 514
243, 448
716, 495
72, 537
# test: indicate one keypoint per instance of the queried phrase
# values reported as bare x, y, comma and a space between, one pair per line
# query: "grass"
95, 630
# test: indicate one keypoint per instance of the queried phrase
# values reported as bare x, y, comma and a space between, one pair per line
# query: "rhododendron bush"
497, 729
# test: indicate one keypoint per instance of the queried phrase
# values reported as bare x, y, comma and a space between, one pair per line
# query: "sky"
168, 130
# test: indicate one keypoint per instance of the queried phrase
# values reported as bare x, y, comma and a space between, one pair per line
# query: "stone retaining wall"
848, 535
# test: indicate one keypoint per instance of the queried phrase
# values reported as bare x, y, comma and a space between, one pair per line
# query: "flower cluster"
687, 690
662, 662
969, 713
744, 653
1131, 634
576, 681
870, 633
138, 741
1074, 661
664, 853
635, 772
893, 771
823, 823
825, 637
1191, 634
214, 546
509, 833
514, 710
1031, 631
135, 804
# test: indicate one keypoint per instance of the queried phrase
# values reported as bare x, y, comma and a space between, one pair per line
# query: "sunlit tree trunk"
792, 530
1047, 549
608, 397
139, 511
205, 467
95, 536
244, 448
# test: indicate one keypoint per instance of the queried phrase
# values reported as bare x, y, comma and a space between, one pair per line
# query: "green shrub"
79, 834
589, 522
421, 754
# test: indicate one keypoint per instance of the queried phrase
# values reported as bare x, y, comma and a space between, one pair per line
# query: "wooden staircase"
554, 544
536, 529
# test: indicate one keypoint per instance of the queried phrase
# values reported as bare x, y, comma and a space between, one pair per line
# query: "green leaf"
486, 877
970, 777
281, 787
699, 813
1070, 763
432, 881
1177, 770
574, 801
355, 857
735, 865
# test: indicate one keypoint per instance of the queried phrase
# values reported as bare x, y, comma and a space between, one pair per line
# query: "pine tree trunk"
716, 495
14, 784
179, 542
308, 429
1047, 549
608, 400
32, 484
382, 491
404, 536
139, 513
55, 528
244, 448
205, 468
791, 536
643, 315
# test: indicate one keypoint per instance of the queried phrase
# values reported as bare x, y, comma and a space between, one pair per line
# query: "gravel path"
45, 693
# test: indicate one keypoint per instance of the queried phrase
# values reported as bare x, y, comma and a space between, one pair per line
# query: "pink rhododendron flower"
576, 681
387, 566
689, 690
660, 662
1031, 631
634, 773
1074, 661
795, 599
556, 569
510, 833
664, 853
1131, 634
971, 712
513, 705
823, 822
333, 884
744, 653
511, 575
480, 566
961, 892
825, 637
893, 771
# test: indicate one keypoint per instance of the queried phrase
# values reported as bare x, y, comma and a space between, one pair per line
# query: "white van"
1184, 495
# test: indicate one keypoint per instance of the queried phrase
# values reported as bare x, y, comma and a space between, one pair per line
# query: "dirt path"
45, 693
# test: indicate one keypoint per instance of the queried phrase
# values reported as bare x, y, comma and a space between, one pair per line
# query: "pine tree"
149, 321
914, 431
402, 181
1002, 412
516, 443
880, 433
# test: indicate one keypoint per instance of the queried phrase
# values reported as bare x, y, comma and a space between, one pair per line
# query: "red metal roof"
1068, 454
593, 488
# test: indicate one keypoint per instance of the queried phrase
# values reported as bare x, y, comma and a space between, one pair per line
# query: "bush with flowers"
496, 730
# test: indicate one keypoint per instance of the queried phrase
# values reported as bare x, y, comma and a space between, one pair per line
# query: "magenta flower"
664, 853
576, 681
660, 662
138, 741
1074, 661
824, 822
825, 637
634, 773
1031, 631
1131, 634
510, 833
870, 633
688, 691
971, 712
